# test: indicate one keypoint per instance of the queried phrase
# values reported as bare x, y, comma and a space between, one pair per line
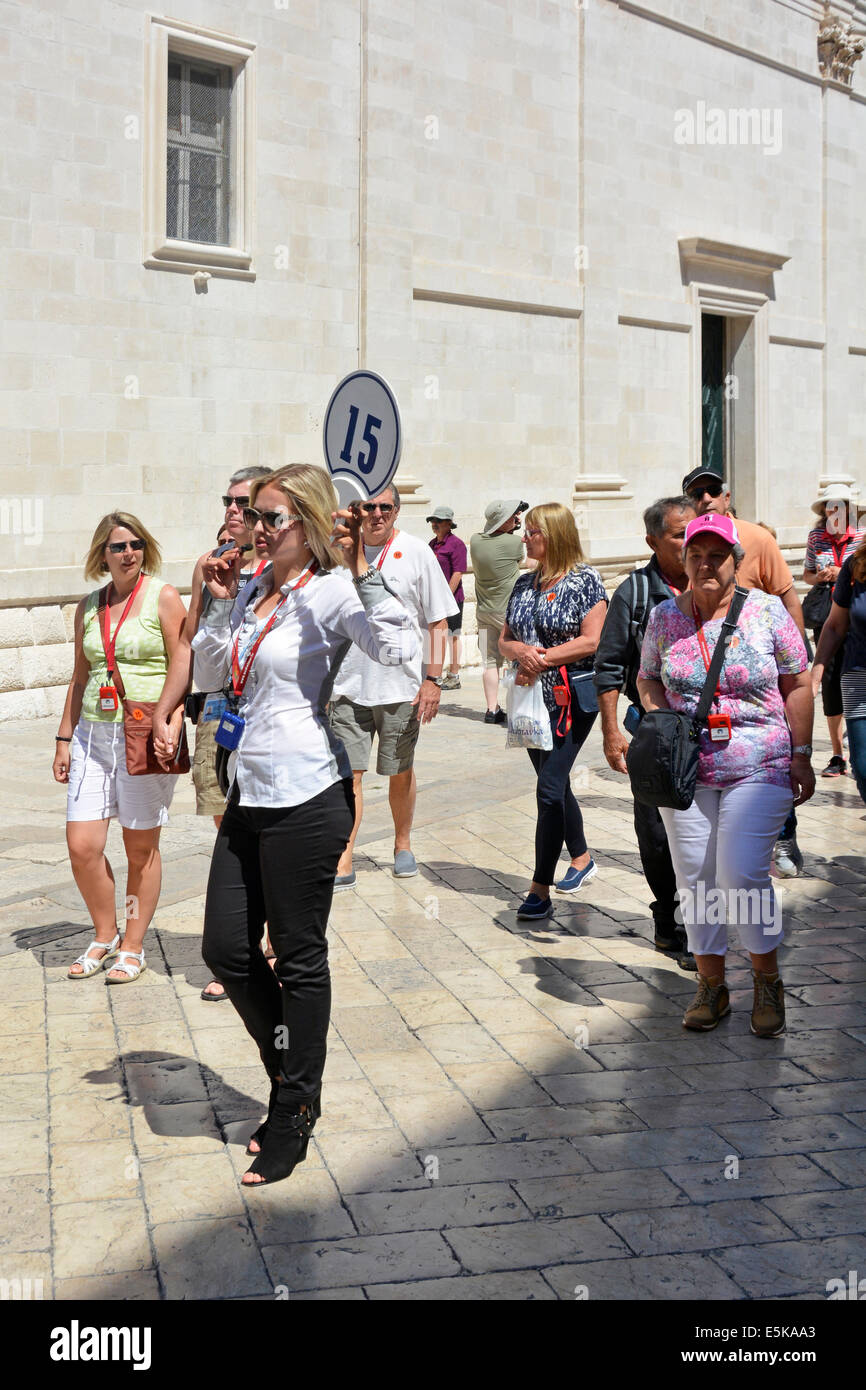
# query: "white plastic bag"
528, 717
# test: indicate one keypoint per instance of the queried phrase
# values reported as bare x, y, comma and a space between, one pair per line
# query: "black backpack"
662, 758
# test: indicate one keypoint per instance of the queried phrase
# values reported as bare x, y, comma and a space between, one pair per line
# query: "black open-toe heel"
259, 1134
285, 1140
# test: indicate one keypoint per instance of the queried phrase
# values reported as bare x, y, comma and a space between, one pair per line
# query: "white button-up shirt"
288, 752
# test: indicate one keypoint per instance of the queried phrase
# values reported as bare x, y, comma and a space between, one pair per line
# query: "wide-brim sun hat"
497, 513
724, 527
443, 514
833, 492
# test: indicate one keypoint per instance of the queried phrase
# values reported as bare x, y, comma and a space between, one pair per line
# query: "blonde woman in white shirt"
290, 805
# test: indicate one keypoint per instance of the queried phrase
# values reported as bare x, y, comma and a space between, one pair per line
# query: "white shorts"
100, 786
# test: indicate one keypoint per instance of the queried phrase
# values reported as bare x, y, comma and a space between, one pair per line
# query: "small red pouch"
562, 694
107, 698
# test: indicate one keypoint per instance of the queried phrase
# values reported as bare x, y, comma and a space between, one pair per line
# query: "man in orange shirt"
764, 568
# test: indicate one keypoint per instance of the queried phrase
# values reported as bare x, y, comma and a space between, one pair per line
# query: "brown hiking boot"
768, 1010
709, 1005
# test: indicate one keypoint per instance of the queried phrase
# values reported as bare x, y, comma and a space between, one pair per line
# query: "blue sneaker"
534, 909
576, 878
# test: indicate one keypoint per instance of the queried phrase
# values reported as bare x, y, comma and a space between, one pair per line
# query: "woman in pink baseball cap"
754, 761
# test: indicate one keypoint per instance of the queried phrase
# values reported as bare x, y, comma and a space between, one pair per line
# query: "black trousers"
655, 858
559, 816
277, 865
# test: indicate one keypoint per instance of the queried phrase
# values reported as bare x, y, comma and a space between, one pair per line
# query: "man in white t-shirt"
392, 702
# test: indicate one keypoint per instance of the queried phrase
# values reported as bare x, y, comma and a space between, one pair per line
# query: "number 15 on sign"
362, 436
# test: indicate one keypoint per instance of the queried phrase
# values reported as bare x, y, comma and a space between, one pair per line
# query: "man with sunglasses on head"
204, 707
764, 568
390, 702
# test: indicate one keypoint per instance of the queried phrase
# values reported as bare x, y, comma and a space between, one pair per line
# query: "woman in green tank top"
145, 618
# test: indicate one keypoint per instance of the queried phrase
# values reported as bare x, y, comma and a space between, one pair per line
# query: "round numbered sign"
362, 436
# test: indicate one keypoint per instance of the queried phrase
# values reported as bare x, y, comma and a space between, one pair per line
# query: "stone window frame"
160, 252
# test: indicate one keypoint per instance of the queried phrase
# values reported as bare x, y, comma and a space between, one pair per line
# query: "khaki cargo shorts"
395, 726
489, 629
209, 800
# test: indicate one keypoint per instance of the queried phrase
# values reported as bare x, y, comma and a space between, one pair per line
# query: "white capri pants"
100, 786
721, 849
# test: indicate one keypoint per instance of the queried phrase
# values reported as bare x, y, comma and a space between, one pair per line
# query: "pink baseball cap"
721, 526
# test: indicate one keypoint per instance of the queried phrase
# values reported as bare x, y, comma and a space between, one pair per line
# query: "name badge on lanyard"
231, 726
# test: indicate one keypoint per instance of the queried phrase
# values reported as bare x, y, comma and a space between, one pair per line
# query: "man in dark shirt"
616, 665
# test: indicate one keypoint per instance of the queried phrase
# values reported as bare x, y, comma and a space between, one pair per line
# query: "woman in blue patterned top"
553, 621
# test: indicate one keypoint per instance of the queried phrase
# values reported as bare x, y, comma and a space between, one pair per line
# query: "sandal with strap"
91, 965
131, 971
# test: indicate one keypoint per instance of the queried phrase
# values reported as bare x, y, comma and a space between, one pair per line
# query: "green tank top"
140, 655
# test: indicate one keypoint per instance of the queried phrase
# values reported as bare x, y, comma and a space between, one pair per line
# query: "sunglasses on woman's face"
274, 521
386, 508
118, 547
239, 502
698, 492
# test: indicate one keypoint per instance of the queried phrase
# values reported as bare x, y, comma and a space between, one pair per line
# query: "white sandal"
131, 971
90, 965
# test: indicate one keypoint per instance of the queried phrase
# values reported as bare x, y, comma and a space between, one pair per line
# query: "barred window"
198, 160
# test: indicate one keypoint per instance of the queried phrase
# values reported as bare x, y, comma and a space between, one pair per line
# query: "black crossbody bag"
662, 758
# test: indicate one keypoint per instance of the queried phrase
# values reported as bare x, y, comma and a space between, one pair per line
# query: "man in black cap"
762, 568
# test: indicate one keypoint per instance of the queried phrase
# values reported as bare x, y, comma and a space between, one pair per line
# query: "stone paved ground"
468, 1148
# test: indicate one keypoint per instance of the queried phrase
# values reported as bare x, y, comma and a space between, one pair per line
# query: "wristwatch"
803, 748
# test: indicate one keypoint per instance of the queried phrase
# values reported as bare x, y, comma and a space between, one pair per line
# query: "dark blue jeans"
559, 817
857, 752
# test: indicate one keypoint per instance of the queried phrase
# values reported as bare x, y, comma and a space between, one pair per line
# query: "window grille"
198, 164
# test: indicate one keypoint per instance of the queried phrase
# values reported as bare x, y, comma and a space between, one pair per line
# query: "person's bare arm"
652, 694
614, 740
799, 712
455, 581
833, 634
530, 659
72, 704
172, 620
828, 575
427, 699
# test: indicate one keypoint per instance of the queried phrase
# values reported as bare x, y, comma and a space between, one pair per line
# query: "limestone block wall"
36, 659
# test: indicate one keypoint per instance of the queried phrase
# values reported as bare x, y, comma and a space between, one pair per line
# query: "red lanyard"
109, 641
386, 548
241, 675
702, 643
673, 588
839, 548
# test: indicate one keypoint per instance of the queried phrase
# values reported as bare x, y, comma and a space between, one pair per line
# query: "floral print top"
766, 645
555, 616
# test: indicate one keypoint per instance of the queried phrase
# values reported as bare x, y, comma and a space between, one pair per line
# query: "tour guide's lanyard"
702, 643
240, 675
231, 726
110, 642
385, 548
718, 725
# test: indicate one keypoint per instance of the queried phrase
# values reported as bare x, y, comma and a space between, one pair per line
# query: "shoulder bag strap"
638, 607
729, 623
